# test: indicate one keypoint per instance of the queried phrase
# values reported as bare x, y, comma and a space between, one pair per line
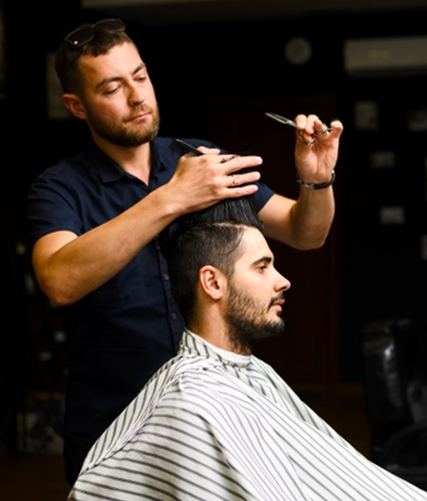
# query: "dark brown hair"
67, 56
211, 236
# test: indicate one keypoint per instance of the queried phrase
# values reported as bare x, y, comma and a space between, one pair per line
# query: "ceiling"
158, 12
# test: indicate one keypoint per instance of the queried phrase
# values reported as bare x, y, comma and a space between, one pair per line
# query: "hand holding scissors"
288, 121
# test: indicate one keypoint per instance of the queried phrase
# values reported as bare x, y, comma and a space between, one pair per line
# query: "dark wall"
194, 65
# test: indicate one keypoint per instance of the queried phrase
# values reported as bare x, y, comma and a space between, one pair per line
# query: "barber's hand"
316, 150
201, 181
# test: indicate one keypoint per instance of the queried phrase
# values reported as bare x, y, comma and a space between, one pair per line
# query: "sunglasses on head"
85, 33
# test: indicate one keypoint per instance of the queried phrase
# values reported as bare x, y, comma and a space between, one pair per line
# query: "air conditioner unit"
386, 56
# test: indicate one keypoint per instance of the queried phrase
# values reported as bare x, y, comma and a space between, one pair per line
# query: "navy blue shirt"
120, 334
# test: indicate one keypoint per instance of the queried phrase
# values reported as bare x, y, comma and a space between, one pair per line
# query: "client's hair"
211, 236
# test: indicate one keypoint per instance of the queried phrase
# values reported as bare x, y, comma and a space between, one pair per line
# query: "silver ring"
233, 181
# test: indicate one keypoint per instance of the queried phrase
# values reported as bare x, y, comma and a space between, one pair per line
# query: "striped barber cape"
212, 425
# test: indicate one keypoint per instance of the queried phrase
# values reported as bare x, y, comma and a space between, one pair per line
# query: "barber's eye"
111, 91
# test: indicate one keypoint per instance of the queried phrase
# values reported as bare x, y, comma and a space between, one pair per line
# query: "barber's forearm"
312, 217
303, 224
69, 267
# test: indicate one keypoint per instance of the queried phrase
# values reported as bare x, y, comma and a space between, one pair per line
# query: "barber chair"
395, 379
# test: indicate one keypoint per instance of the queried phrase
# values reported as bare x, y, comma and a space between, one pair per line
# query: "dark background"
380, 271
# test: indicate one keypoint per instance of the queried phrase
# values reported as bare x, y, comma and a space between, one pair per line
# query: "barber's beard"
248, 321
126, 136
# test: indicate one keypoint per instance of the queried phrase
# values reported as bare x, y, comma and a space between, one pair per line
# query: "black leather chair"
395, 379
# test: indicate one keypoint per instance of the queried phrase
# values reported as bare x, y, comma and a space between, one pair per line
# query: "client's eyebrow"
265, 259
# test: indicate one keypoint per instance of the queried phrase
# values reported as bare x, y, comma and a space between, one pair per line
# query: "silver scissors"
288, 121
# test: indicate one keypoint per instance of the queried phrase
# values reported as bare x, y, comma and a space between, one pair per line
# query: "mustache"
279, 297
142, 108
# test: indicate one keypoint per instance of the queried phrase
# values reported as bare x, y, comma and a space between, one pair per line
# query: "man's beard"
122, 136
247, 321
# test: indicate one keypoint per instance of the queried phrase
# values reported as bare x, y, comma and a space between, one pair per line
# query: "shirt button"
173, 316
165, 276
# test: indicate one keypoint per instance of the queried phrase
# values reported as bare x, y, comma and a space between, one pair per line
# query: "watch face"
298, 50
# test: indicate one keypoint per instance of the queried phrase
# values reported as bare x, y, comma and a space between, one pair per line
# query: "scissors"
288, 121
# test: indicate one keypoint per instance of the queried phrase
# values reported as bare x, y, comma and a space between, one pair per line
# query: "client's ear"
212, 281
